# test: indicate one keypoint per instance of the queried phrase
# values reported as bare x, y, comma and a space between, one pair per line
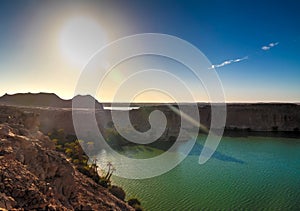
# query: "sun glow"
80, 38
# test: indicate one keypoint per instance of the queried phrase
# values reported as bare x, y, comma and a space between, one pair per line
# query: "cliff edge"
33, 176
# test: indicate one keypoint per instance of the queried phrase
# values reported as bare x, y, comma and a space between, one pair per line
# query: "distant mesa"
46, 100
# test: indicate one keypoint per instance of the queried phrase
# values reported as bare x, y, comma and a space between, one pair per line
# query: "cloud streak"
227, 62
268, 47
230, 61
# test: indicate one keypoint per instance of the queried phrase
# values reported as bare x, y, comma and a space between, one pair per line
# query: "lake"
250, 173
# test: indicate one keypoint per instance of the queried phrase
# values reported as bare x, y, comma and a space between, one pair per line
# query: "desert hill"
44, 100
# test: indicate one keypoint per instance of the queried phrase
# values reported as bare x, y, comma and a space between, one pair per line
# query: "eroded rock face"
26, 119
35, 176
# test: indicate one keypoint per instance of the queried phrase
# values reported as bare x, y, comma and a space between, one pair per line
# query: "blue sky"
223, 30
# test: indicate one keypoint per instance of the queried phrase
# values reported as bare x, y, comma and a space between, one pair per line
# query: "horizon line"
157, 102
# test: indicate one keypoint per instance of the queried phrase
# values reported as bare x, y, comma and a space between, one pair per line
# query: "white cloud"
265, 48
268, 47
227, 62
273, 44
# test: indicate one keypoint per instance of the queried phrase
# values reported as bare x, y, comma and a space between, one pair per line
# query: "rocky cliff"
33, 176
55, 113
262, 117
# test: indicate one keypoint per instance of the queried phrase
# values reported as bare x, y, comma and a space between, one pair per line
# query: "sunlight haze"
45, 44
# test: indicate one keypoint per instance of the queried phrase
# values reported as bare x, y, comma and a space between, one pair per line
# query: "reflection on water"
120, 108
217, 154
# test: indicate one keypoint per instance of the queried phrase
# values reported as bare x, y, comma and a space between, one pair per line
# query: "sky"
254, 46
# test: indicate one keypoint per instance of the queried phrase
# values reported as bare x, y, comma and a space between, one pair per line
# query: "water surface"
245, 173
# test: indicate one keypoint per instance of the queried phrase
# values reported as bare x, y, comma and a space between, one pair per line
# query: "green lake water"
252, 173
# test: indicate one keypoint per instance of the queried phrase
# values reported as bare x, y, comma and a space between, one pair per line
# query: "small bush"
76, 161
135, 203
84, 170
103, 183
117, 192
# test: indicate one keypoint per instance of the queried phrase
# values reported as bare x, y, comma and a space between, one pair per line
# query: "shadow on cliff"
197, 149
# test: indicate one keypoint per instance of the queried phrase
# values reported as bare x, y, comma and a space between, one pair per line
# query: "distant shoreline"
243, 119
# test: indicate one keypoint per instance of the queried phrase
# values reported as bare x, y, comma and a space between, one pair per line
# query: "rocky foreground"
33, 176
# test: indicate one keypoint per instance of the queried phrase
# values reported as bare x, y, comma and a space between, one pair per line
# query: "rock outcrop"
33, 176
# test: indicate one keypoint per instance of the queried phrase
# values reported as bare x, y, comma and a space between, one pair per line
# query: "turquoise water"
245, 173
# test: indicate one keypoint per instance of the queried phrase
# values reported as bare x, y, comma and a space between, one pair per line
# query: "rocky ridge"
33, 176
